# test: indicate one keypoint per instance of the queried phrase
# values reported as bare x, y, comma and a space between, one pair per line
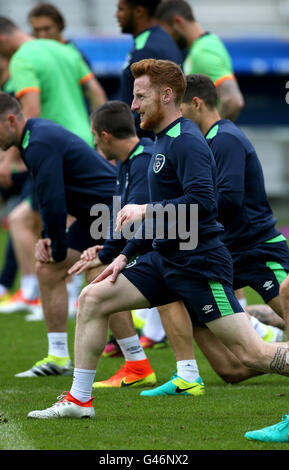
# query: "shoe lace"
60, 400
42, 361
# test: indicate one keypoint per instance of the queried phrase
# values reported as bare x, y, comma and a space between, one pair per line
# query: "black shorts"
79, 238
263, 267
203, 281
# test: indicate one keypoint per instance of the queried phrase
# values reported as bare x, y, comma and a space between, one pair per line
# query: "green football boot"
177, 386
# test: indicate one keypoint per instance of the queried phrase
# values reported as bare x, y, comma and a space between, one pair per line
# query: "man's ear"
139, 11
106, 136
196, 102
12, 119
178, 20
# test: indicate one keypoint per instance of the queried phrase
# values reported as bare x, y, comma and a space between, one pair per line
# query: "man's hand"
83, 265
43, 252
88, 259
91, 253
113, 270
129, 214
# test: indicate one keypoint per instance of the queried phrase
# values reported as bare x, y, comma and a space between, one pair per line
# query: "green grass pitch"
124, 420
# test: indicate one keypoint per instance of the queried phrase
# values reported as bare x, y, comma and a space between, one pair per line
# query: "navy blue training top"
182, 171
152, 43
132, 188
243, 207
69, 177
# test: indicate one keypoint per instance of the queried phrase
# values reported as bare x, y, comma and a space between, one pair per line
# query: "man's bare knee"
249, 357
234, 376
21, 215
49, 274
90, 303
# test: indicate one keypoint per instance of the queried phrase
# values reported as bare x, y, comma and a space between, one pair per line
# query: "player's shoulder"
156, 42
36, 133
71, 46
185, 131
158, 32
209, 46
226, 129
142, 154
185, 136
146, 144
40, 129
225, 134
48, 132
37, 48
210, 41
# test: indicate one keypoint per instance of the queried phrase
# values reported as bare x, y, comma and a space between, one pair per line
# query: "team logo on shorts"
207, 309
159, 162
268, 285
131, 264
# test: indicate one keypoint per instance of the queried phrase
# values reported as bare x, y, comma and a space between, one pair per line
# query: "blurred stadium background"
256, 33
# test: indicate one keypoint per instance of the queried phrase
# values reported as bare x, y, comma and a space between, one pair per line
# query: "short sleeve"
213, 65
83, 70
23, 76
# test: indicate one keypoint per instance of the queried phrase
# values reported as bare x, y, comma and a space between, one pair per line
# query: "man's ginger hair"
162, 73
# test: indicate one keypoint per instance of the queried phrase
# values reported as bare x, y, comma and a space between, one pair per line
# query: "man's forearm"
94, 93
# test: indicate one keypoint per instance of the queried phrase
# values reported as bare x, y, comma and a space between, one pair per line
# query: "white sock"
131, 348
243, 302
3, 289
57, 344
29, 286
153, 328
260, 327
82, 384
75, 285
188, 370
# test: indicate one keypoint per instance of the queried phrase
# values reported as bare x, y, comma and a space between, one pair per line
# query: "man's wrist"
123, 258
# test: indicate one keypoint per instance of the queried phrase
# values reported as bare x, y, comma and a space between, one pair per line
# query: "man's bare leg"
52, 285
284, 302
137, 368
240, 295
221, 359
121, 323
179, 331
25, 227
266, 315
238, 335
178, 327
96, 303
